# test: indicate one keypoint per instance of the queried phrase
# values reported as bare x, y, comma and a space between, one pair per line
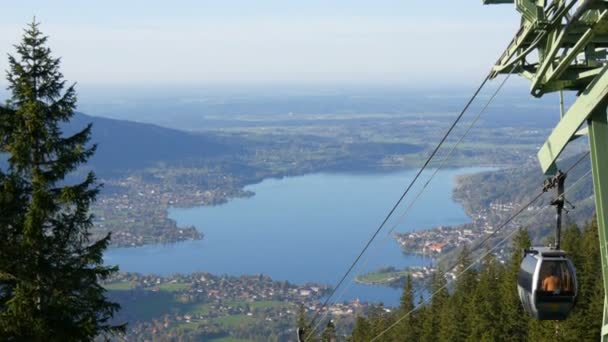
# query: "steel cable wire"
444, 161
504, 224
409, 187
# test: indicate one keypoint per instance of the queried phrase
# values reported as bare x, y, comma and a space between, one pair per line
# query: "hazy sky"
149, 42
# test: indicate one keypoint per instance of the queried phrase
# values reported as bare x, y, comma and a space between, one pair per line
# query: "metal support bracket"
591, 99
598, 143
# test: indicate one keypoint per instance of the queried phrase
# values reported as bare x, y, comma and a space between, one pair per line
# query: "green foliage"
520, 185
432, 318
514, 320
407, 329
458, 323
361, 331
407, 298
303, 322
329, 333
49, 269
483, 304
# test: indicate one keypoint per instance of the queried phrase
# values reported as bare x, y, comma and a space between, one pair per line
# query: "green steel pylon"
562, 45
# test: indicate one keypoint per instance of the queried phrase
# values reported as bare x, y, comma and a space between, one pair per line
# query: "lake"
304, 229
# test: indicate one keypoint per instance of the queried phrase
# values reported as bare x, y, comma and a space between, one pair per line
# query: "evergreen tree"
572, 243
51, 266
449, 323
486, 308
407, 328
491, 302
303, 322
544, 330
302, 318
361, 331
465, 285
429, 324
590, 300
514, 323
431, 320
379, 321
367, 329
329, 334
407, 297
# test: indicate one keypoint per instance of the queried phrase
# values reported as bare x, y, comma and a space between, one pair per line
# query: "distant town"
135, 210
209, 304
440, 240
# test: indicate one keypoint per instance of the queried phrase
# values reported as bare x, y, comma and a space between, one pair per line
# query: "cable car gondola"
546, 282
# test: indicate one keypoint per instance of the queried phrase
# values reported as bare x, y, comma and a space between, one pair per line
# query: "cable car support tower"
560, 46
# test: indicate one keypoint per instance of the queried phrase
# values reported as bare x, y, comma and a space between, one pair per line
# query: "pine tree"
407, 297
590, 299
52, 267
329, 334
431, 320
493, 309
449, 322
544, 330
361, 331
514, 320
571, 242
379, 321
303, 322
486, 308
465, 285
407, 328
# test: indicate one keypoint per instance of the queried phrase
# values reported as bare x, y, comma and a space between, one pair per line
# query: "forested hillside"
514, 187
126, 145
482, 304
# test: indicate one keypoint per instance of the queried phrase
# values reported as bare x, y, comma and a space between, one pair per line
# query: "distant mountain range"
126, 145
205, 109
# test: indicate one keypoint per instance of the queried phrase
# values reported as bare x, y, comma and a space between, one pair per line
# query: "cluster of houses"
135, 211
443, 239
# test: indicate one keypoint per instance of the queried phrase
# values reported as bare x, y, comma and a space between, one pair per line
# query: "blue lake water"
304, 229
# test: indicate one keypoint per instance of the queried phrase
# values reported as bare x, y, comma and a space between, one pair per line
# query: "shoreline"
195, 256
244, 191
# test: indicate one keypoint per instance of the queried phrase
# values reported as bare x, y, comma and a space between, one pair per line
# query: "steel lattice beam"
558, 49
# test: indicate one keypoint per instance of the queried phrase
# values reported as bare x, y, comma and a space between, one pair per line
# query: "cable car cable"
426, 163
332, 293
444, 161
404, 194
449, 154
479, 259
583, 157
502, 241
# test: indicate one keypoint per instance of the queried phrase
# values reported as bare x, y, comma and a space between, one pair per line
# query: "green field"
173, 287
198, 308
185, 326
234, 320
381, 278
229, 339
119, 286
266, 304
